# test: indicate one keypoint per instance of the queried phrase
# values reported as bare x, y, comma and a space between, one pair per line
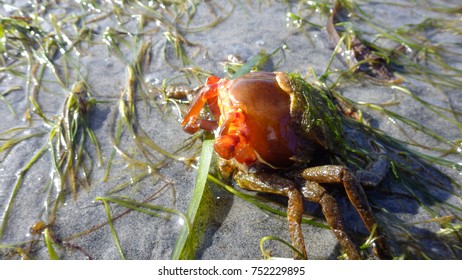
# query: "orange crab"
268, 127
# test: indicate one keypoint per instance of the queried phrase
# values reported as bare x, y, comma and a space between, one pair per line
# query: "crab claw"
208, 93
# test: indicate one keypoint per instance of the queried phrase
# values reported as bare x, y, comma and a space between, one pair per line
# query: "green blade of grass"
266, 255
185, 247
20, 177
141, 207
111, 226
255, 61
49, 242
145, 207
13, 141
2, 97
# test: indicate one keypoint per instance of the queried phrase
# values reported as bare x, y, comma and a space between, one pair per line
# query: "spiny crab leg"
208, 93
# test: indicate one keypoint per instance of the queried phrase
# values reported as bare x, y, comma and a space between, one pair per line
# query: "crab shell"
263, 117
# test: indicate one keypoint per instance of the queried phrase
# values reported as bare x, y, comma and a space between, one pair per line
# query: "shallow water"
215, 31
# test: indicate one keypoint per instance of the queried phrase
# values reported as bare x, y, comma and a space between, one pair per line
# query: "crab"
269, 128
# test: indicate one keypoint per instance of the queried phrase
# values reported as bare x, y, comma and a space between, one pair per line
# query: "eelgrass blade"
18, 249
2, 97
111, 226
145, 207
185, 247
268, 256
49, 242
21, 174
13, 141
141, 207
255, 63
258, 60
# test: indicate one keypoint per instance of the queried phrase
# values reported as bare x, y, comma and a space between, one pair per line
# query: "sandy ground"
234, 227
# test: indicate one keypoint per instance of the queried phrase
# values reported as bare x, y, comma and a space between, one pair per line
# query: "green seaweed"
188, 240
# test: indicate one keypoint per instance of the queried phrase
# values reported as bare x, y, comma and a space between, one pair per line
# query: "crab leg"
356, 195
314, 192
272, 183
